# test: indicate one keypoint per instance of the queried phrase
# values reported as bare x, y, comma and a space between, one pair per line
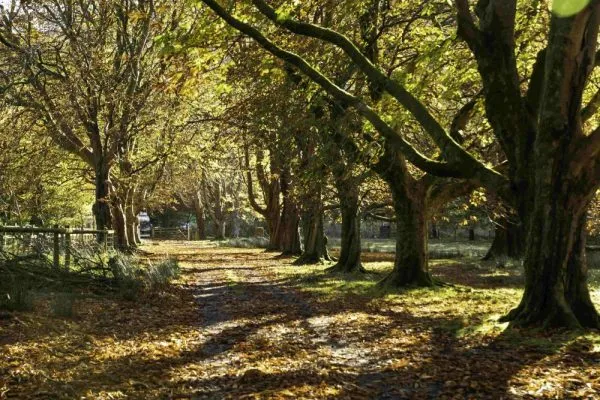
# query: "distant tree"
553, 163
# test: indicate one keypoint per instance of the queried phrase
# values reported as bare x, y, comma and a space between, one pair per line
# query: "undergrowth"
25, 278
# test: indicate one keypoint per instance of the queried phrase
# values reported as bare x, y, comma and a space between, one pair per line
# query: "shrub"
131, 278
160, 274
126, 274
16, 298
246, 243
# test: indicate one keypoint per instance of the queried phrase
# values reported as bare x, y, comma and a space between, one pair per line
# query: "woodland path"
264, 336
245, 324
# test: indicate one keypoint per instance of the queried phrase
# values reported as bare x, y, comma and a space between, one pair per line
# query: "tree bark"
271, 190
471, 234
288, 231
562, 183
410, 264
120, 226
508, 242
131, 221
410, 206
349, 260
199, 213
220, 226
315, 241
101, 208
556, 292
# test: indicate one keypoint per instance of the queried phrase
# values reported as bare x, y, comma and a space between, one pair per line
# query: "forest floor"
242, 323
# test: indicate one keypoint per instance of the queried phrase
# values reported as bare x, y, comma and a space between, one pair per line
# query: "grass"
245, 243
243, 323
437, 249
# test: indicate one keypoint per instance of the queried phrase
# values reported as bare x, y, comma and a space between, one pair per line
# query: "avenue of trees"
291, 112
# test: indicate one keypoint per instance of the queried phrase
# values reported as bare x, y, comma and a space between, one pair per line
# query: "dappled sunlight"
242, 322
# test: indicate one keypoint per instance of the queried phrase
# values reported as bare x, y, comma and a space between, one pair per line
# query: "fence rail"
61, 237
172, 233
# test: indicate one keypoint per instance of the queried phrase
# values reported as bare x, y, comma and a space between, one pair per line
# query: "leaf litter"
245, 324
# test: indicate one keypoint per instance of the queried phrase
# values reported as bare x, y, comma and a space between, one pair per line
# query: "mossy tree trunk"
288, 231
556, 291
131, 221
410, 264
270, 186
508, 243
350, 251
199, 213
410, 208
565, 174
101, 208
120, 225
315, 242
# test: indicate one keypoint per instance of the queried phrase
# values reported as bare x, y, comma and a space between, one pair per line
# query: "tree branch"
590, 109
468, 165
380, 217
461, 119
466, 26
249, 182
442, 139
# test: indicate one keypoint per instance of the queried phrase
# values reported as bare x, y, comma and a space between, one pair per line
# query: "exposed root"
309, 259
341, 268
403, 279
550, 317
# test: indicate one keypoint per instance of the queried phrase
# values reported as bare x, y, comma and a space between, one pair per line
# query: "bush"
246, 243
16, 298
131, 278
159, 275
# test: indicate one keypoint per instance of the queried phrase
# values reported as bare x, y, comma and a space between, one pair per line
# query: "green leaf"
568, 8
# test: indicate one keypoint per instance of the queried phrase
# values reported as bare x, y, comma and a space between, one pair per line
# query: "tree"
88, 71
541, 132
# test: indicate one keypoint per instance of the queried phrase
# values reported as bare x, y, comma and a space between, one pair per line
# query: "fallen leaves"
242, 324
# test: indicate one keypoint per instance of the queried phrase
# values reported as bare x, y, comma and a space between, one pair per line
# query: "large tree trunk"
508, 242
273, 221
220, 226
101, 208
410, 208
576, 287
556, 292
410, 264
199, 213
315, 241
289, 230
562, 183
120, 226
131, 221
289, 226
270, 186
349, 260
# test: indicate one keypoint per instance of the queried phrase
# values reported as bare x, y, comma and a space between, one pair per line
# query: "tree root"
341, 268
396, 280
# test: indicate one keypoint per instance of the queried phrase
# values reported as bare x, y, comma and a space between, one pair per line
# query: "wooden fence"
186, 233
60, 237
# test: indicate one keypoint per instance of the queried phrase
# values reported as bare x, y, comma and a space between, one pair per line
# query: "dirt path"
244, 324
259, 333
264, 337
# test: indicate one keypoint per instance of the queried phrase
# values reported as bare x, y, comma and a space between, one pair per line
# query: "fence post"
105, 240
152, 232
189, 232
56, 261
67, 247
